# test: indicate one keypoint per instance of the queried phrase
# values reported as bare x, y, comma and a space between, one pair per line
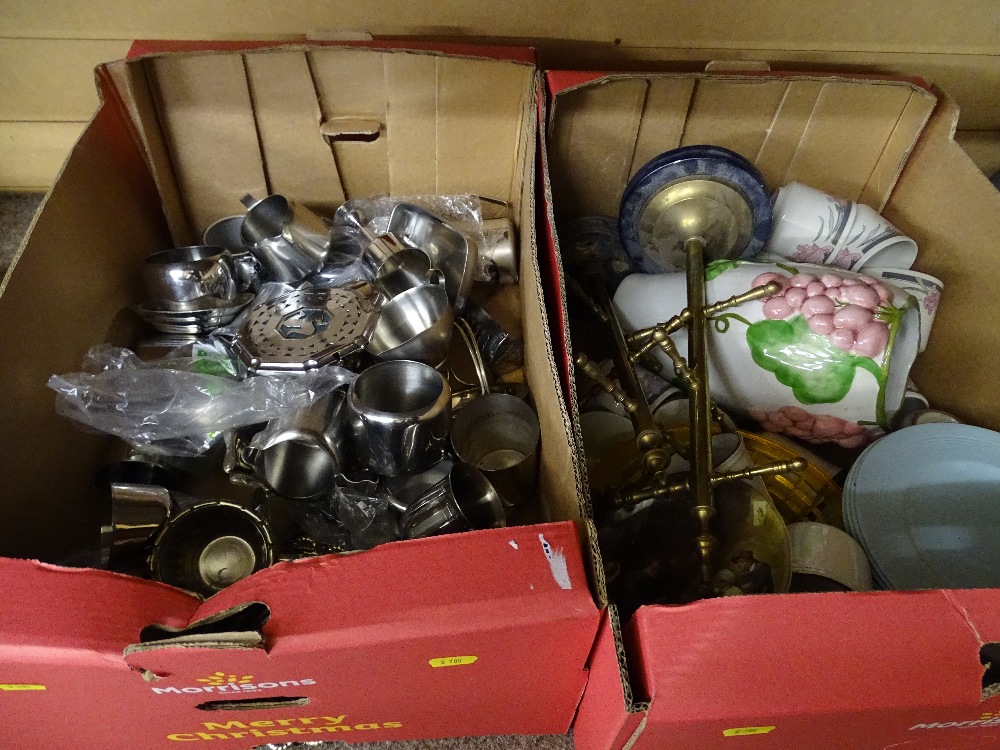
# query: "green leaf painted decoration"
816, 370
719, 267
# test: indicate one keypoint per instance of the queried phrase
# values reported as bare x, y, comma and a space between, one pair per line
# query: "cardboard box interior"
449, 125
886, 143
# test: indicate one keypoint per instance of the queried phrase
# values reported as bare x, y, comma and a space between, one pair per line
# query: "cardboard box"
873, 670
479, 633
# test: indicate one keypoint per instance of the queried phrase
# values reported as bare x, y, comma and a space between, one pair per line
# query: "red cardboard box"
872, 670
479, 633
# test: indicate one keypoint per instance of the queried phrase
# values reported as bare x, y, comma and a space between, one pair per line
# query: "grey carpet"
16, 212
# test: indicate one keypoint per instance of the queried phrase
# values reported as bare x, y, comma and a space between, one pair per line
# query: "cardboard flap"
959, 246
910, 658
224, 640
219, 125
239, 627
793, 127
196, 655
608, 717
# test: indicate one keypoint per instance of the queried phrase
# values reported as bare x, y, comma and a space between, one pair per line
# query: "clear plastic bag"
465, 212
363, 508
172, 399
319, 522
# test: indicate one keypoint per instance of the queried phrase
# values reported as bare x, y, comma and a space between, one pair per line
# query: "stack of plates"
192, 317
924, 503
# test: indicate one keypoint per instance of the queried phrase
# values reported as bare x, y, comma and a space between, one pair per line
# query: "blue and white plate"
711, 162
924, 503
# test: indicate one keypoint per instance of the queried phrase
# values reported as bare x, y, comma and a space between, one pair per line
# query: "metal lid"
305, 329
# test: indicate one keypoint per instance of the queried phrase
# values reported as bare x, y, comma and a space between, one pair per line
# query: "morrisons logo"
231, 684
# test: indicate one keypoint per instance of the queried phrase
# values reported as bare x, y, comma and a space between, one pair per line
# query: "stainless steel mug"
304, 451
289, 240
462, 500
499, 435
401, 413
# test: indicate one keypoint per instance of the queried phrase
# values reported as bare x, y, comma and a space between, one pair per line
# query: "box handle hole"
251, 704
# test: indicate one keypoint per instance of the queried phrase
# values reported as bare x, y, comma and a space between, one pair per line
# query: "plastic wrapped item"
149, 402
464, 211
363, 507
322, 527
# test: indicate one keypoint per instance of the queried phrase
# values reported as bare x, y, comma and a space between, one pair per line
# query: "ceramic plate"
712, 162
924, 503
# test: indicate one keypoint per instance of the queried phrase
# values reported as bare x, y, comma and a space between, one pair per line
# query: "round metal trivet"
306, 329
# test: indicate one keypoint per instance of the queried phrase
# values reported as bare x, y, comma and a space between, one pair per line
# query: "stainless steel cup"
400, 414
189, 274
225, 233
209, 546
289, 240
501, 351
462, 501
415, 324
137, 513
497, 252
499, 435
403, 270
305, 450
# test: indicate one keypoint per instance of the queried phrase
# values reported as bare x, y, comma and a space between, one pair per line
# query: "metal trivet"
306, 329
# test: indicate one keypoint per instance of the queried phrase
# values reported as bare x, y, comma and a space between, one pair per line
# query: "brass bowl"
807, 495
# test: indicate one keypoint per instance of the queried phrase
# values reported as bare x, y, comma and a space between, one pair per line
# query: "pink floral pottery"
926, 290
872, 242
810, 226
824, 360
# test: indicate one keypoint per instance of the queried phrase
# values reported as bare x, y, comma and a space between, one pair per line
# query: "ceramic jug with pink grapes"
824, 360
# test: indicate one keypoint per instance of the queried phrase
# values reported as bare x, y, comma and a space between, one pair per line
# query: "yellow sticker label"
742, 731
453, 661
19, 686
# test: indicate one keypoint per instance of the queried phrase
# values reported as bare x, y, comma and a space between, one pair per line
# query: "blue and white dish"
711, 162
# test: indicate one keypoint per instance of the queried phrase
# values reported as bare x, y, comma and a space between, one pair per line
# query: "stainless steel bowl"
195, 274
209, 546
416, 324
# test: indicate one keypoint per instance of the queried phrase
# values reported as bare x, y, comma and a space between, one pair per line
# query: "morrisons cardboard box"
479, 633
872, 670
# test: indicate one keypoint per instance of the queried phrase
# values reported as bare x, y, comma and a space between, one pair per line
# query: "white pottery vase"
825, 360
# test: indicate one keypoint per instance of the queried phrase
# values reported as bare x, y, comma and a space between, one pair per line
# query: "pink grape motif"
813, 428
843, 310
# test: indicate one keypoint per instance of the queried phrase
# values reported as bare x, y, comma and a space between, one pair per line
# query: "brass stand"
691, 220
